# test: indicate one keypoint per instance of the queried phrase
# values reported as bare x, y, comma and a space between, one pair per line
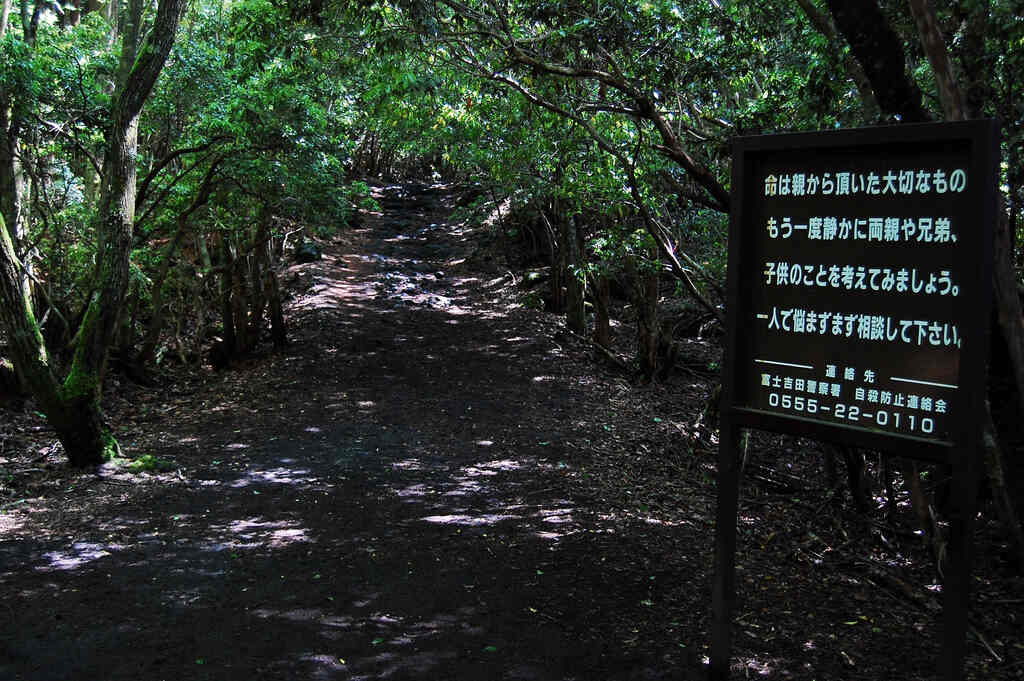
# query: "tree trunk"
156, 323
270, 290
880, 51
824, 25
278, 328
258, 296
73, 408
240, 300
558, 261
645, 300
935, 47
15, 187
602, 317
202, 293
5, 15
230, 339
77, 420
858, 484
574, 282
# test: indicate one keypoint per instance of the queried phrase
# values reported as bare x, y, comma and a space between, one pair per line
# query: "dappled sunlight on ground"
281, 475
75, 556
259, 531
405, 492
482, 519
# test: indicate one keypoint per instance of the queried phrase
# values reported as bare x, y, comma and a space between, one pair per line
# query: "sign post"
858, 311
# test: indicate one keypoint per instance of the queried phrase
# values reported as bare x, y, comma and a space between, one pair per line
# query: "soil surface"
436, 481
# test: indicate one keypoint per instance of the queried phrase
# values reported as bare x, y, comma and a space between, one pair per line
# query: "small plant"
147, 463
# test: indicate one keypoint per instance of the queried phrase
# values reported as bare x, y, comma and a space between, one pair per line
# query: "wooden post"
956, 586
724, 590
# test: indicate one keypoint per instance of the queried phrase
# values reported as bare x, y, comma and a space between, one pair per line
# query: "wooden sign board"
858, 308
859, 282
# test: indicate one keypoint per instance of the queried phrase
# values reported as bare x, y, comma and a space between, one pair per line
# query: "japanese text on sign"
846, 183
887, 229
857, 262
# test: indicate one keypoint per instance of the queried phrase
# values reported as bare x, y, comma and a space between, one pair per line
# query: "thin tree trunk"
258, 295
270, 290
574, 283
25, 338
202, 286
5, 15
15, 186
240, 300
156, 323
558, 260
278, 328
855, 479
645, 300
602, 317
919, 502
935, 47
230, 338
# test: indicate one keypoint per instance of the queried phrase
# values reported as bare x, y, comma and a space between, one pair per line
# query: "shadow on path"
390, 499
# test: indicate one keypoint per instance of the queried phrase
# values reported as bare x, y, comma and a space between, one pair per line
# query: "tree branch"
93, 161
166, 160
935, 47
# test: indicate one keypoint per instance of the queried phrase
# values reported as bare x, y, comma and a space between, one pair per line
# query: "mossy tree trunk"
14, 181
72, 406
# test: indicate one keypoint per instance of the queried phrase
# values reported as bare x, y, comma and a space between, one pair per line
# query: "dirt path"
387, 499
434, 483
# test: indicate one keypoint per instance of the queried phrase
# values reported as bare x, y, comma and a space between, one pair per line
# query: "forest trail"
398, 495
434, 482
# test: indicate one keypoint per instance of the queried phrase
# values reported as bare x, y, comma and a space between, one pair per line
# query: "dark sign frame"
973, 147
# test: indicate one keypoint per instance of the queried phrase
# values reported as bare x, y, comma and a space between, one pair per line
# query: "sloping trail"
391, 498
